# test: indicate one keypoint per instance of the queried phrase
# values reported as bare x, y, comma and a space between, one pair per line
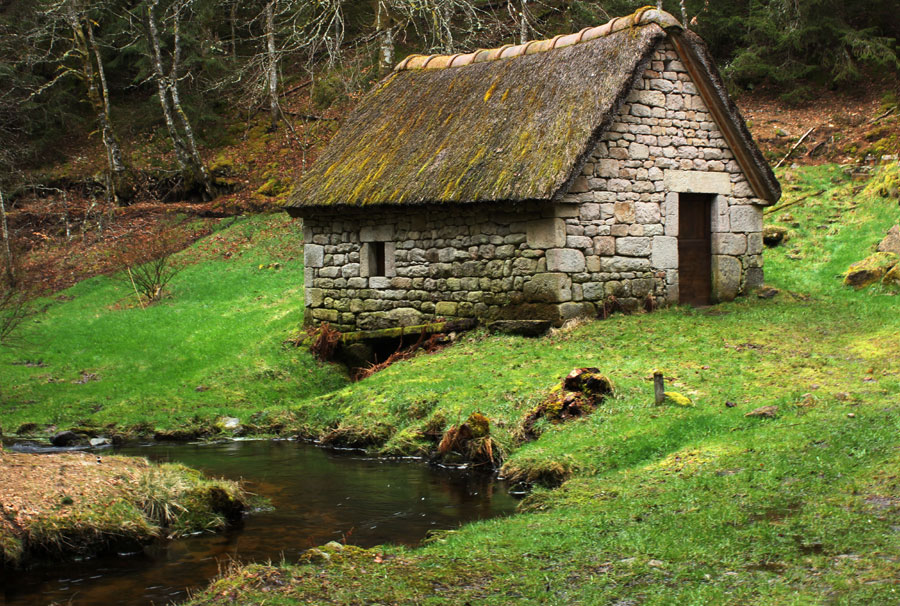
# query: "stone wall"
663, 142
451, 262
615, 233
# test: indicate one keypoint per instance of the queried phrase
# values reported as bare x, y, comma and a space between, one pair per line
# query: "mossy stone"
673, 397
870, 270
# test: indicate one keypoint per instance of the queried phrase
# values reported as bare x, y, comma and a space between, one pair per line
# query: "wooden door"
694, 249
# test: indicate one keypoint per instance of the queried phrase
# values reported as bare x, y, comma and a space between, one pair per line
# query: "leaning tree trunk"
86, 46
122, 187
272, 66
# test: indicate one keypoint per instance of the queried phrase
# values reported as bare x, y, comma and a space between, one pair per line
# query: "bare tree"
272, 65
190, 163
83, 47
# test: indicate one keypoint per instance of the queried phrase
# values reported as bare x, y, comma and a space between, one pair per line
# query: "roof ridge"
642, 16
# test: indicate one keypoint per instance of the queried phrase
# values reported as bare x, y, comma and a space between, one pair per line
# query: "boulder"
764, 412
891, 242
773, 235
870, 270
892, 278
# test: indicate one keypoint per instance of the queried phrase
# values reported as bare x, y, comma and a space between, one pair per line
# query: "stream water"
318, 496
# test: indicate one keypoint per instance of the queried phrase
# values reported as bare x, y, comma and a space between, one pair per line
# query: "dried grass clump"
434, 343
472, 440
324, 341
579, 394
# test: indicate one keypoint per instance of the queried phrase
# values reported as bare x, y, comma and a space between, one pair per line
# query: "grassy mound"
95, 505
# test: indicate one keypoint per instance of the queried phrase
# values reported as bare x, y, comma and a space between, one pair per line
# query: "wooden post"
659, 388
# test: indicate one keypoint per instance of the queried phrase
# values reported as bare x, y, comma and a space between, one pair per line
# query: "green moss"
870, 270
886, 183
673, 397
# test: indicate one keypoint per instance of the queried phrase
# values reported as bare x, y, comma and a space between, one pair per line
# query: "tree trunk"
98, 95
385, 33
198, 168
272, 66
523, 23
122, 188
233, 20
162, 88
7, 251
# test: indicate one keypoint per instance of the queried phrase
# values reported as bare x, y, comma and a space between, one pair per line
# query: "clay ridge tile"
642, 16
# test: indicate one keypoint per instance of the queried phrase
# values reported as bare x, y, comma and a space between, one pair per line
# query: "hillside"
794, 507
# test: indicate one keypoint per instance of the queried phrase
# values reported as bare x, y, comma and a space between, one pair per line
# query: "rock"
764, 412
525, 328
673, 397
230, 423
892, 278
98, 442
870, 270
773, 235
891, 242
65, 438
315, 556
726, 277
548, 288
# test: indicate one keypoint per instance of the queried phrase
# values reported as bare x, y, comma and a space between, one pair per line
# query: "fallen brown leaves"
35, 486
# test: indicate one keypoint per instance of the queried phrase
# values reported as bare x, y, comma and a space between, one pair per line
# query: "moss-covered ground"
654, 504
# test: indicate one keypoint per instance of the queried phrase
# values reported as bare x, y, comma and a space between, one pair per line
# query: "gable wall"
663, 141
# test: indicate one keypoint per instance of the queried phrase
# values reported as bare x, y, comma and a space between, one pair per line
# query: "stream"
318, 496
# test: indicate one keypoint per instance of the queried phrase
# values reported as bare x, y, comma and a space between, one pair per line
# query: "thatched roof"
510, 124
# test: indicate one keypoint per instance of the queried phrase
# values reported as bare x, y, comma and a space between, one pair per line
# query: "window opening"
376, 259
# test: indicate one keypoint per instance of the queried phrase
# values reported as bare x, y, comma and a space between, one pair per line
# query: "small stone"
891, 242
773, 235
851, 415
764, 412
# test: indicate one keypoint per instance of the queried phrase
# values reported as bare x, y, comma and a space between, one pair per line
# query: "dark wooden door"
694, 249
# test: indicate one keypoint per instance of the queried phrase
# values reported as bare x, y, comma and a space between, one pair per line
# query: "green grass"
658, 505
220, 329
662, 505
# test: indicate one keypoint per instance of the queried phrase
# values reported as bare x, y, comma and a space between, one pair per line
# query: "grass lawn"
212, 347
653, 504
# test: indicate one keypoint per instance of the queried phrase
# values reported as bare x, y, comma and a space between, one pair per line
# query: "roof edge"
642, 16
727, 118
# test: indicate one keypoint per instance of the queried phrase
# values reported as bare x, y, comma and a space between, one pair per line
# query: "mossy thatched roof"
513, 124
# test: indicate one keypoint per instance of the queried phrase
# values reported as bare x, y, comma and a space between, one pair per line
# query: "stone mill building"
538, 181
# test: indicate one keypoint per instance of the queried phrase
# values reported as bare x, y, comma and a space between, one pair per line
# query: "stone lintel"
697, 182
